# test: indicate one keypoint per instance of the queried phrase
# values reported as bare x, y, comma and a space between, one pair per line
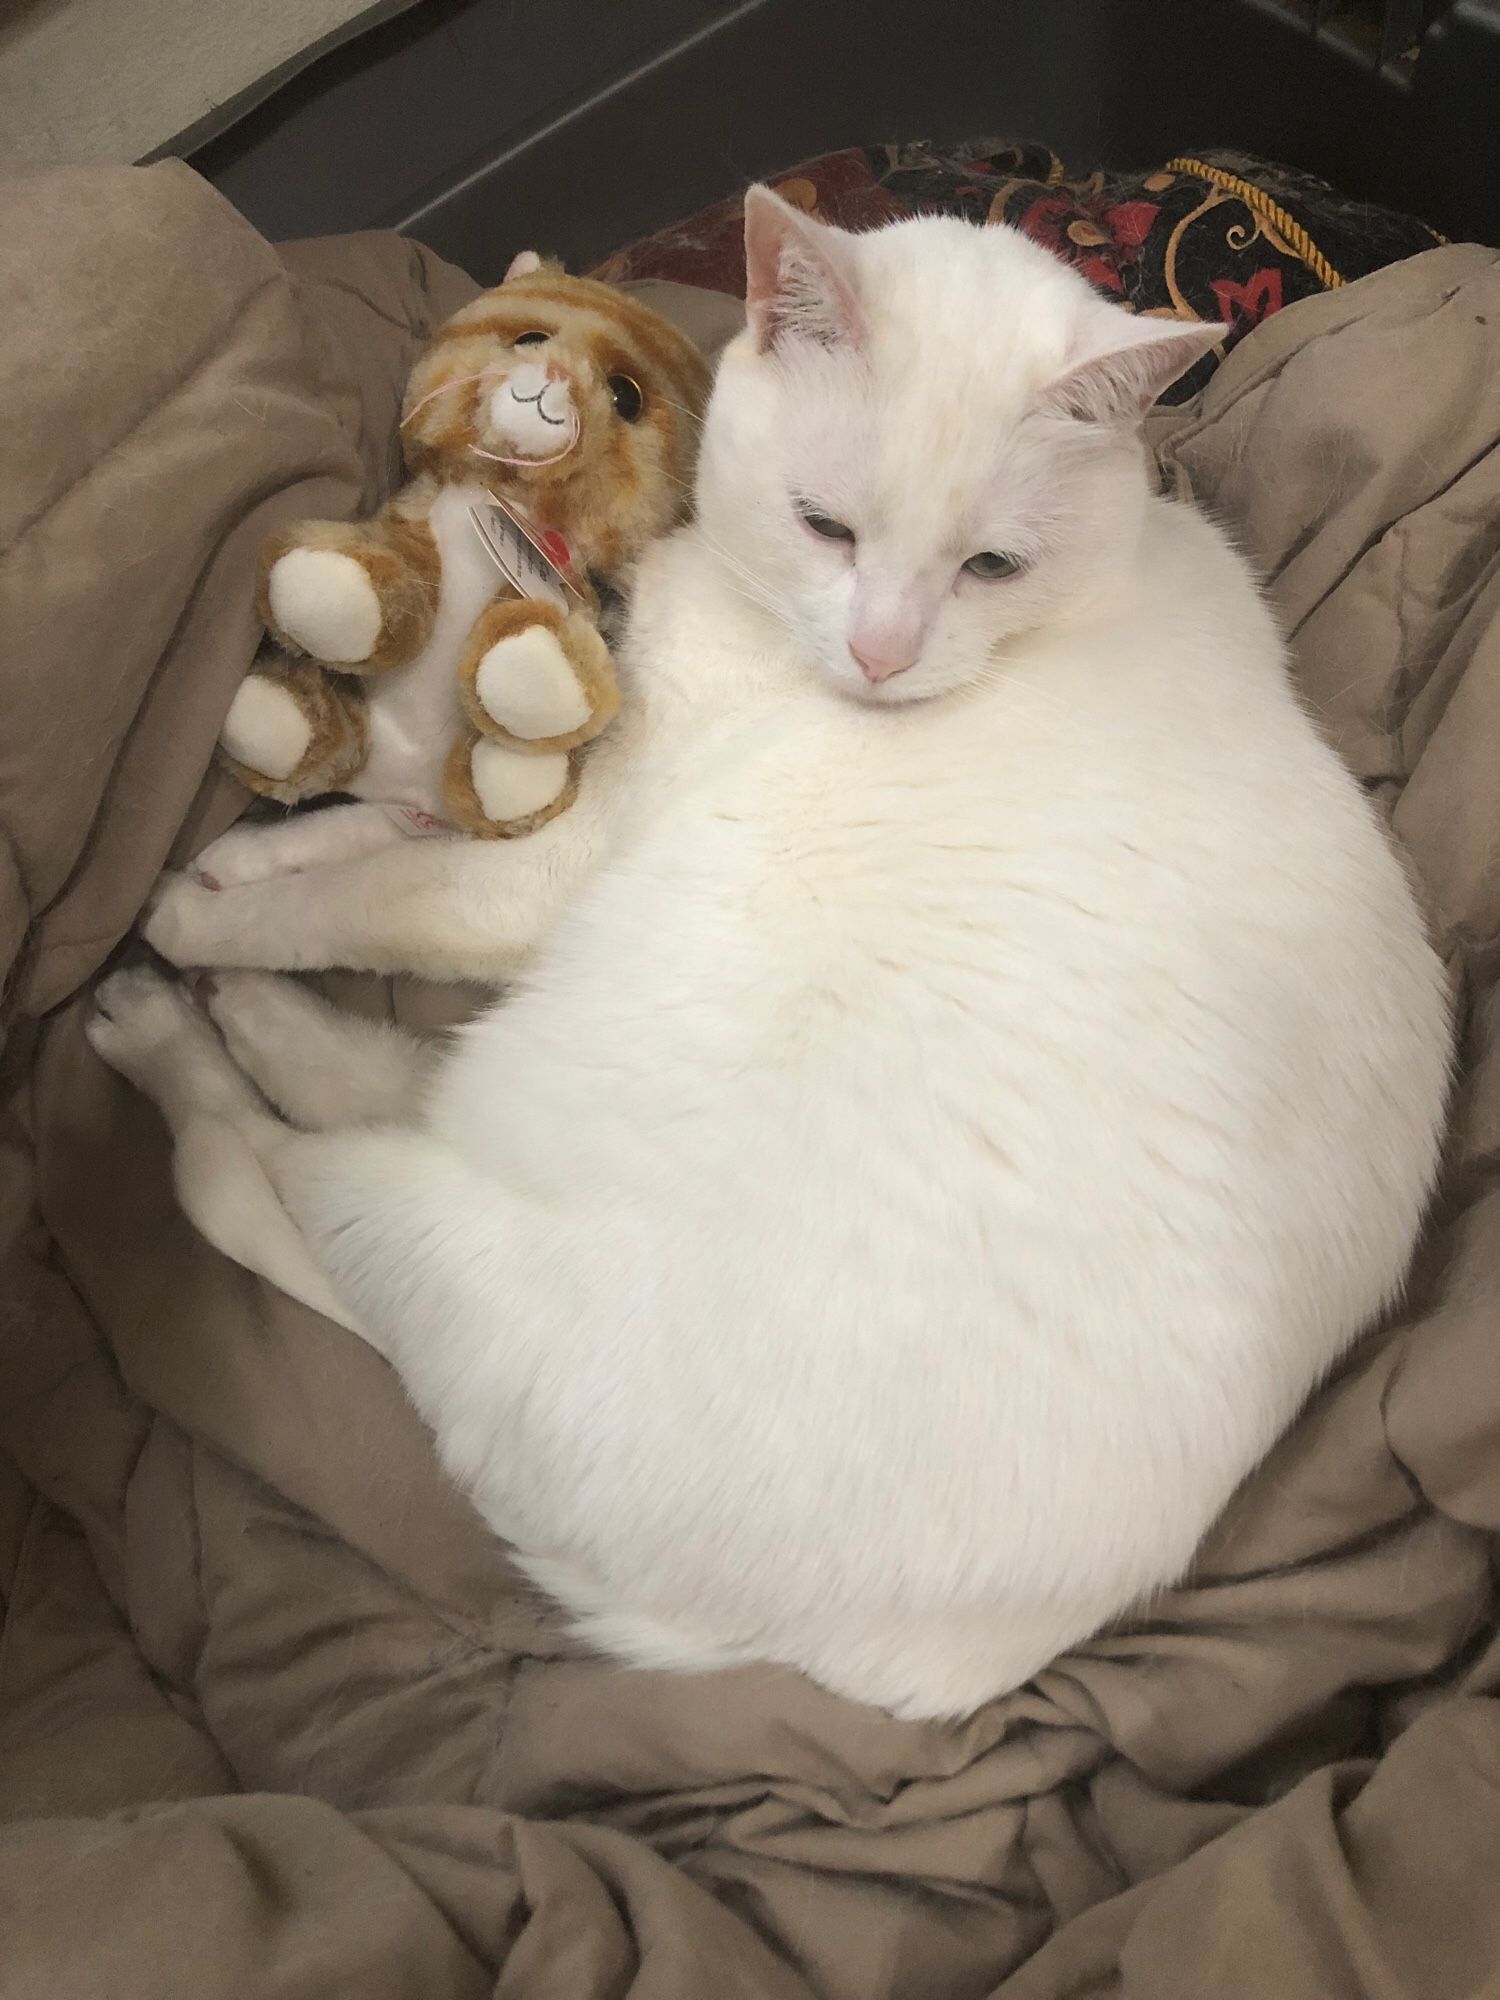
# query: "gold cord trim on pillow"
1261, 204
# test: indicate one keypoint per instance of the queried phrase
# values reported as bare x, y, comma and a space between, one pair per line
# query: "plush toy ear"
800, 276
1121, 365
522, 265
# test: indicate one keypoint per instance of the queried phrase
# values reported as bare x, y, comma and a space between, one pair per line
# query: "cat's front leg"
451, 909
252, 852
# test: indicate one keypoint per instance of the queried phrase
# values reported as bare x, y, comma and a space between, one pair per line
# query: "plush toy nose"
531, 414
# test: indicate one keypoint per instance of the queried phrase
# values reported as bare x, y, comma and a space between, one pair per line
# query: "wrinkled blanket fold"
277, 1717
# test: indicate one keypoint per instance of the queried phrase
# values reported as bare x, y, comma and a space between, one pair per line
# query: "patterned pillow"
1219, 236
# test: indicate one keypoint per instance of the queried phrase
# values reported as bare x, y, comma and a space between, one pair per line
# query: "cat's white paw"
139, 1021
259, 1014
185, 921
325, 602
514, 784
244, 854
527, 684
146, 1026
265, 728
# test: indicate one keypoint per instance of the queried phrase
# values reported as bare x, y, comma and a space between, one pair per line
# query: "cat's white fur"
951, 1119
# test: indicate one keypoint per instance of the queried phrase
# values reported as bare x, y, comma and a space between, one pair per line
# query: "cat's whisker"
993, 675
693, 416
756, 586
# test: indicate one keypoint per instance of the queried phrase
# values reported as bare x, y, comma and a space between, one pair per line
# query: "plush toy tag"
521, 557
412, 820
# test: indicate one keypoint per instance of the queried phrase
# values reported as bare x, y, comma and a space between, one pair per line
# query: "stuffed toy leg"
340, 600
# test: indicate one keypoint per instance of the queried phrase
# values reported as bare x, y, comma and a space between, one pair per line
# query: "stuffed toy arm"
342, 601
293, 730
357, 595
536, 684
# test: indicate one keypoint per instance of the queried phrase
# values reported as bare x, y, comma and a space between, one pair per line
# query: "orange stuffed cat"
406, 666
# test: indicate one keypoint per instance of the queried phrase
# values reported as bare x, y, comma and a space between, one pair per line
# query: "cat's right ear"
1122, 364
800, 278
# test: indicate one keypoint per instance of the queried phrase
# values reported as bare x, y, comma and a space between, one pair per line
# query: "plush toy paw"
534, 679
498, 793
266, 729
528, 689
293, 730
325, 602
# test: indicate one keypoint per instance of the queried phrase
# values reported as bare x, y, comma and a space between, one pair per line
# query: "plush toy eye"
530, 339
992, 564
826, 526
629, 402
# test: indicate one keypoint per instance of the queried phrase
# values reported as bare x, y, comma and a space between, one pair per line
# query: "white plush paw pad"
513, 784
265, 729
528, 685
141, 1021
326, 603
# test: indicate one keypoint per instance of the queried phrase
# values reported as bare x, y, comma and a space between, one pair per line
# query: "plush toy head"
569, 398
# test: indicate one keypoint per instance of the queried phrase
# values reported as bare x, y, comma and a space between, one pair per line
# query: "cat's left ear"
1121, 365
522, 265
800, 276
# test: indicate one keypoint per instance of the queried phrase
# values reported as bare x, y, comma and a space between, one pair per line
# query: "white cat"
988, 1071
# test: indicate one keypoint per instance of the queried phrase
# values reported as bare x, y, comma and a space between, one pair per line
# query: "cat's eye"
532, 339
628, 400
825, 525
992, 564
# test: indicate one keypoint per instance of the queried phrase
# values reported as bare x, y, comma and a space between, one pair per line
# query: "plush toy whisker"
496, 457
499, 458
459, 382
682, 409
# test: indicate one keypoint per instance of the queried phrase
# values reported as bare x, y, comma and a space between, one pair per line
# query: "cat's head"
925, 442
572, 399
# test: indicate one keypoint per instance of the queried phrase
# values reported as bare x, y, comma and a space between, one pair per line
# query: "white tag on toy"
528, 561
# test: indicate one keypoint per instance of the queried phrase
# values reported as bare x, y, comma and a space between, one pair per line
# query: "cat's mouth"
846, 679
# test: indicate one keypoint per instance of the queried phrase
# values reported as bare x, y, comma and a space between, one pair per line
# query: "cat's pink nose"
884, 665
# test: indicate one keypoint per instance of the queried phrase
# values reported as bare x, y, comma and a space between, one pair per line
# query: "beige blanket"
276, 1717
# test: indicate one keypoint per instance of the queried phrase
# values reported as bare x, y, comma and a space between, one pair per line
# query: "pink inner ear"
522, 265
1125, 365
799, 275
